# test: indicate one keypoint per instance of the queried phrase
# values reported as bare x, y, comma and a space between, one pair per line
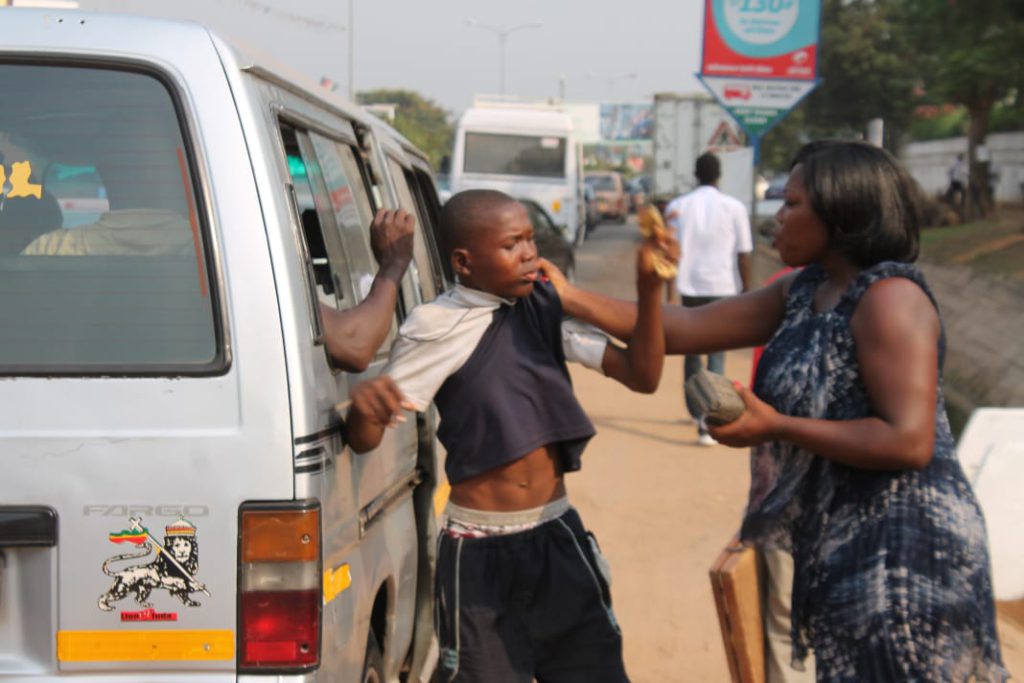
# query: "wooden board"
736, 584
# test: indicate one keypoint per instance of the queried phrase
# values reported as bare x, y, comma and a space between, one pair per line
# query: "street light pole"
611, 83
351, 51
502, 33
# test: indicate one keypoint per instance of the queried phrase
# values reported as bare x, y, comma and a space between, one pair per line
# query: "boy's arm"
376, 404
429, 348
638, 366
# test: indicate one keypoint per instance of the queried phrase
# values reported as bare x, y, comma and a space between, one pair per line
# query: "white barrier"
929, 163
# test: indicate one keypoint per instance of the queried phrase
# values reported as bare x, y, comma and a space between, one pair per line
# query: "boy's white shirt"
438, 337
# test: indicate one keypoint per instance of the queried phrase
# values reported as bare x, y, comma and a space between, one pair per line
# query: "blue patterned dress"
891, 570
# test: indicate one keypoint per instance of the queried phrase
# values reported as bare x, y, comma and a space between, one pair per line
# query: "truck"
686, 126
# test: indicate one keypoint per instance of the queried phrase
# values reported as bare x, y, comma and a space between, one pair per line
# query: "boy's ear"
461, 262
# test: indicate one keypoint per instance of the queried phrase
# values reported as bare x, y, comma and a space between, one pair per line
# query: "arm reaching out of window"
353, 336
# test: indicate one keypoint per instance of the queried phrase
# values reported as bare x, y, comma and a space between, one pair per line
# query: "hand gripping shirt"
496, 370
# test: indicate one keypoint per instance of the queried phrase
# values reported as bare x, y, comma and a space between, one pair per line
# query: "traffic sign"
760, 58
757, 104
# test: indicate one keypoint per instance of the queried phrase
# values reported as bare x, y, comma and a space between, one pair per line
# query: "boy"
521, 591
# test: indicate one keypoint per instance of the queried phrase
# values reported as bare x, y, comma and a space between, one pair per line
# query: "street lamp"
351, 50
611, 81
502, 32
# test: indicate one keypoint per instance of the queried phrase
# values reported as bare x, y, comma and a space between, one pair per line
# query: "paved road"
661, 506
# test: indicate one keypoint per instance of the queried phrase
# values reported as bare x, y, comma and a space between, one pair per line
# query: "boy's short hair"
466, 211
870, 205
707, 169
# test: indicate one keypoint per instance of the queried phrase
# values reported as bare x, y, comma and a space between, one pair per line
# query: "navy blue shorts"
524, 606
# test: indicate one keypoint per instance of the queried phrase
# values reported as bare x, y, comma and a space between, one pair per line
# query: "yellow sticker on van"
336, 582
145, 646
21, 186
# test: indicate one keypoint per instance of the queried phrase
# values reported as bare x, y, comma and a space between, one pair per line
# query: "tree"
865, 74
969, 53
423, 121
865, 70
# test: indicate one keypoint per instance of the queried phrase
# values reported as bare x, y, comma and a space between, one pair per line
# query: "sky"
606, 50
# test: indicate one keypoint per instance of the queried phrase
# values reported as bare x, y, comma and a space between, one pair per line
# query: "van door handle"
27, 526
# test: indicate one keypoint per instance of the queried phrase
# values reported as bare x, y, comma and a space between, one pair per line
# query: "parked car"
593, 211
550, 242
768, 206
776, 188
610, 188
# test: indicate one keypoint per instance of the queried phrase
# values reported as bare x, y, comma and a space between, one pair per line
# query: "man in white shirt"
714, 237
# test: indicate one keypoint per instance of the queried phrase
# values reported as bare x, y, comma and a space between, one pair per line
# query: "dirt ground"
662, 506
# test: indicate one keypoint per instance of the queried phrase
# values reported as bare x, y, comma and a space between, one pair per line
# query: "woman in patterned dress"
854, 467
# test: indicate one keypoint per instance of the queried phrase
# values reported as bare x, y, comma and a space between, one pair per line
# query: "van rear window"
102, 262
528, 155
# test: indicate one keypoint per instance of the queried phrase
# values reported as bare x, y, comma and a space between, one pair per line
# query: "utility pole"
351, 50
502, 33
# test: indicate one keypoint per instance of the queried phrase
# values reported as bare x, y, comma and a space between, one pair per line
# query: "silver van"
176, 498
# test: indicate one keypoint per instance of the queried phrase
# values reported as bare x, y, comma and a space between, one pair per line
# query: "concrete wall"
985, 336
929, 163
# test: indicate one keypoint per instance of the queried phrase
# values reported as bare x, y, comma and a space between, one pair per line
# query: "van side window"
319, 227
429, 213
344, 178
103, 244
350, 205
424, 266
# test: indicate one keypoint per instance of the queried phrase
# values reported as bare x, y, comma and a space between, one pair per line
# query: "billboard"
622, 122
761, 39
760, 57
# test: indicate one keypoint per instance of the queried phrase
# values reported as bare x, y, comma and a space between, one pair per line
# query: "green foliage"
866, 74
947, 125
884, 58
865, 70
1007, 118
967, 51
423, 121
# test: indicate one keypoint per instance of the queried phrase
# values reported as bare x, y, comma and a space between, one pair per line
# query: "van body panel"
135, 461
172, 455
368, 514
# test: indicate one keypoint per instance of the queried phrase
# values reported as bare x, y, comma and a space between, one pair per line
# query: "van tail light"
280, 589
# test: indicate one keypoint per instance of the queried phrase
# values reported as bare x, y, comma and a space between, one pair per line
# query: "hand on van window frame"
376, 405
391, 237
352, 337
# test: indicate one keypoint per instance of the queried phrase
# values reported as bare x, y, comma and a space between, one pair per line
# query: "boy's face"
501, 257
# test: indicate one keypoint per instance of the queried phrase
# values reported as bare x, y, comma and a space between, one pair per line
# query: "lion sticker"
173, 569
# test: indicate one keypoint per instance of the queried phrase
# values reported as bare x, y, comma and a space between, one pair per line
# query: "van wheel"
373, 663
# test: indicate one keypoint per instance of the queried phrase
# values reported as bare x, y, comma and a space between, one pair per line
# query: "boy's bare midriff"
529, 482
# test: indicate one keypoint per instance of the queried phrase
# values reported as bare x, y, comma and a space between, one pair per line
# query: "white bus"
526, 152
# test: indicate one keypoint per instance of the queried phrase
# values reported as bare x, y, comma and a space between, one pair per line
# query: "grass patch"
990, 247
